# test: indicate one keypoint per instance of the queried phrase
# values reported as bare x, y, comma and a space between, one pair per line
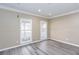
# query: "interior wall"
10, 28
65, 28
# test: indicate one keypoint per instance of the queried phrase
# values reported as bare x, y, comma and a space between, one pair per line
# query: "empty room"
39, 28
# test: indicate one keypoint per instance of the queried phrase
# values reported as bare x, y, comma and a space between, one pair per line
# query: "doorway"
26, 30
43, 30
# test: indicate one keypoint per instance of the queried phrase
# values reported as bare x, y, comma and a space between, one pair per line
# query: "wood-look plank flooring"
47, 47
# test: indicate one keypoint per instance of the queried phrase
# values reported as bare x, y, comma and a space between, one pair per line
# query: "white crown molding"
19, 11
64, 14
52, 17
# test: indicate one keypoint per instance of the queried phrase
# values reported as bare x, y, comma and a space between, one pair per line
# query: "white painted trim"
20, 45
19, 11
66, 42
64, 14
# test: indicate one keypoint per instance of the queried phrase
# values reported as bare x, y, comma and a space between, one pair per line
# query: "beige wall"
65, 28
10, 28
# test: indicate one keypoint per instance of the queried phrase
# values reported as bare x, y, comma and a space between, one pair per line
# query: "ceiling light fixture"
39, 10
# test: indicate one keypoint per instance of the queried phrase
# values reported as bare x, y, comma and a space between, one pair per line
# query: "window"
26, 30
43, 30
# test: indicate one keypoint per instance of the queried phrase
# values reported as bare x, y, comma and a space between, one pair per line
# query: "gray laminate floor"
47, 47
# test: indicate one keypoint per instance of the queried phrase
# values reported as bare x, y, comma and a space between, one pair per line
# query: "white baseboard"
39, 41
20, 45
65, 42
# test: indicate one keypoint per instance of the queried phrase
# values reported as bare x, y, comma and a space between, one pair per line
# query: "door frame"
46, 29
26, 42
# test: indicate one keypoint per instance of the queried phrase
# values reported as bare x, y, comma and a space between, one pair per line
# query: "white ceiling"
47, 9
